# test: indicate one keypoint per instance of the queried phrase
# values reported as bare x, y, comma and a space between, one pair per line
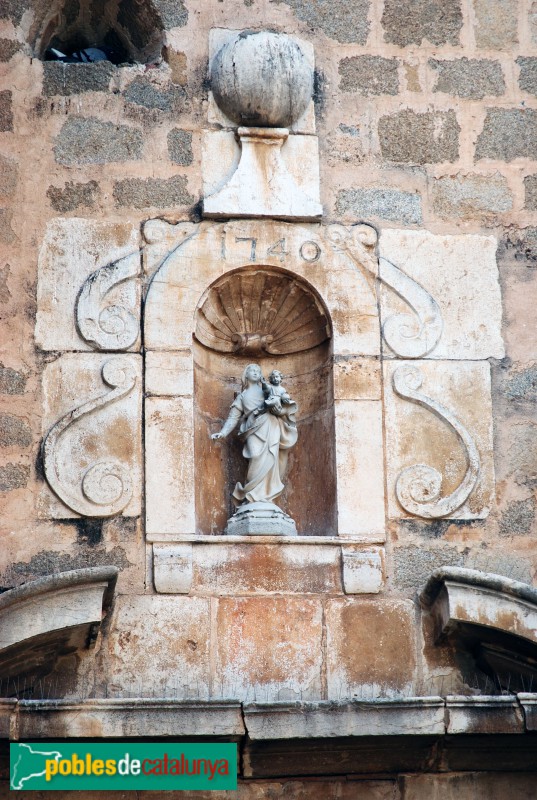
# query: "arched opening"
123, 31
270, 317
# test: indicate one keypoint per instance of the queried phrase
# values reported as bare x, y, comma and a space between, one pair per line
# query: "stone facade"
420, 149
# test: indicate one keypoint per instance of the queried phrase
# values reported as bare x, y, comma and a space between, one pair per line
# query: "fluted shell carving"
106, 487
261, 311
418, 487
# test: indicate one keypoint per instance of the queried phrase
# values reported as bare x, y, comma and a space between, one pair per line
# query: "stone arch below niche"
269, 316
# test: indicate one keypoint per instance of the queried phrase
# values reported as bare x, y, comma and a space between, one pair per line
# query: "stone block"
143, 92
410, 137
461, 274
177, 61
180, 147
169, 374
11, 381
9, 173
357, 378
68, 79
527, 79
90, 441
471, 196
388, 204
6, 110
13, 476
528, 702
175, 631
413, 564
470, 785
489, 715
88, 140
8, 48
153, 192
343, 20
14, 431
231, 569
470, 78
172, 568
268, 648
73, 196
369, 75
7, 234
418, 433
169, 465
530, 189
495, 24
418, 20
360, 468
370, 648
72, 250
508, 133
363, 570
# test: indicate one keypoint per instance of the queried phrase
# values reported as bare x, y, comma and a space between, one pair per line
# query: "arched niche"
273, 318
130, 29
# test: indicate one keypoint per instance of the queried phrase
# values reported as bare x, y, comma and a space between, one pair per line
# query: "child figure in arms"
275, 394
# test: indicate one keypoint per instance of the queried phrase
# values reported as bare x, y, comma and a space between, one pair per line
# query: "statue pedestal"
260, 519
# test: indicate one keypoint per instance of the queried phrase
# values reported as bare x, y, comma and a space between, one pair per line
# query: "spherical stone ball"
262, 79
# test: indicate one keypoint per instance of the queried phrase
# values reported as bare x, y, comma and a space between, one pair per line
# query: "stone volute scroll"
266, 413
263, 83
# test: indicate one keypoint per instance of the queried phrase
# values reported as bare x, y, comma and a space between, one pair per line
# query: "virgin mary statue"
268, 430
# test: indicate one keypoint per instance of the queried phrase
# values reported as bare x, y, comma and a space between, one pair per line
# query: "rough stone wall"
426, 114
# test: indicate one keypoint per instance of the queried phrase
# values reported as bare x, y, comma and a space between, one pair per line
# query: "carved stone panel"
439, 445
88, 296
92, 436
459, 273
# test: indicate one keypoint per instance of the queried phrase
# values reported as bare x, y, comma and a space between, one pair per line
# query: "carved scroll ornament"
418, 487
408, 335
106, 487
108, 327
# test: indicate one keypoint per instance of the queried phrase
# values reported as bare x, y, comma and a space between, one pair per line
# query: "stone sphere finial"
262, 79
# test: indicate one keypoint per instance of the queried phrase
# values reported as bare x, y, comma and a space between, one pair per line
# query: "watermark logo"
66, 766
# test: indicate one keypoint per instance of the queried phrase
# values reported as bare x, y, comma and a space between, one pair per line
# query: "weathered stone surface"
359, 431
67, 79
153, 192
343, 20
268, 647
169, 374
179, 665
169, 465
344, 145
369, 75
361, 665
73, 196
173, 13
461, 274
518, 517
389, 204
414, 564
11, 381
95, 464
9, 172
6, 111
172, 568
261, 568
13, 476
471, 715
417, 435
508, 133
467, 786
357, 378
142, 92
530, 189
177, 62
471, 196
14, 431
527, 79
8, 48
88, 140
72, 250
412, 22
180, 147
472, 78
7, 234
496, 24
419, 138
363, 570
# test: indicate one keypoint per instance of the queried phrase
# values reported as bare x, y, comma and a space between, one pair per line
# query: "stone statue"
266, 414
